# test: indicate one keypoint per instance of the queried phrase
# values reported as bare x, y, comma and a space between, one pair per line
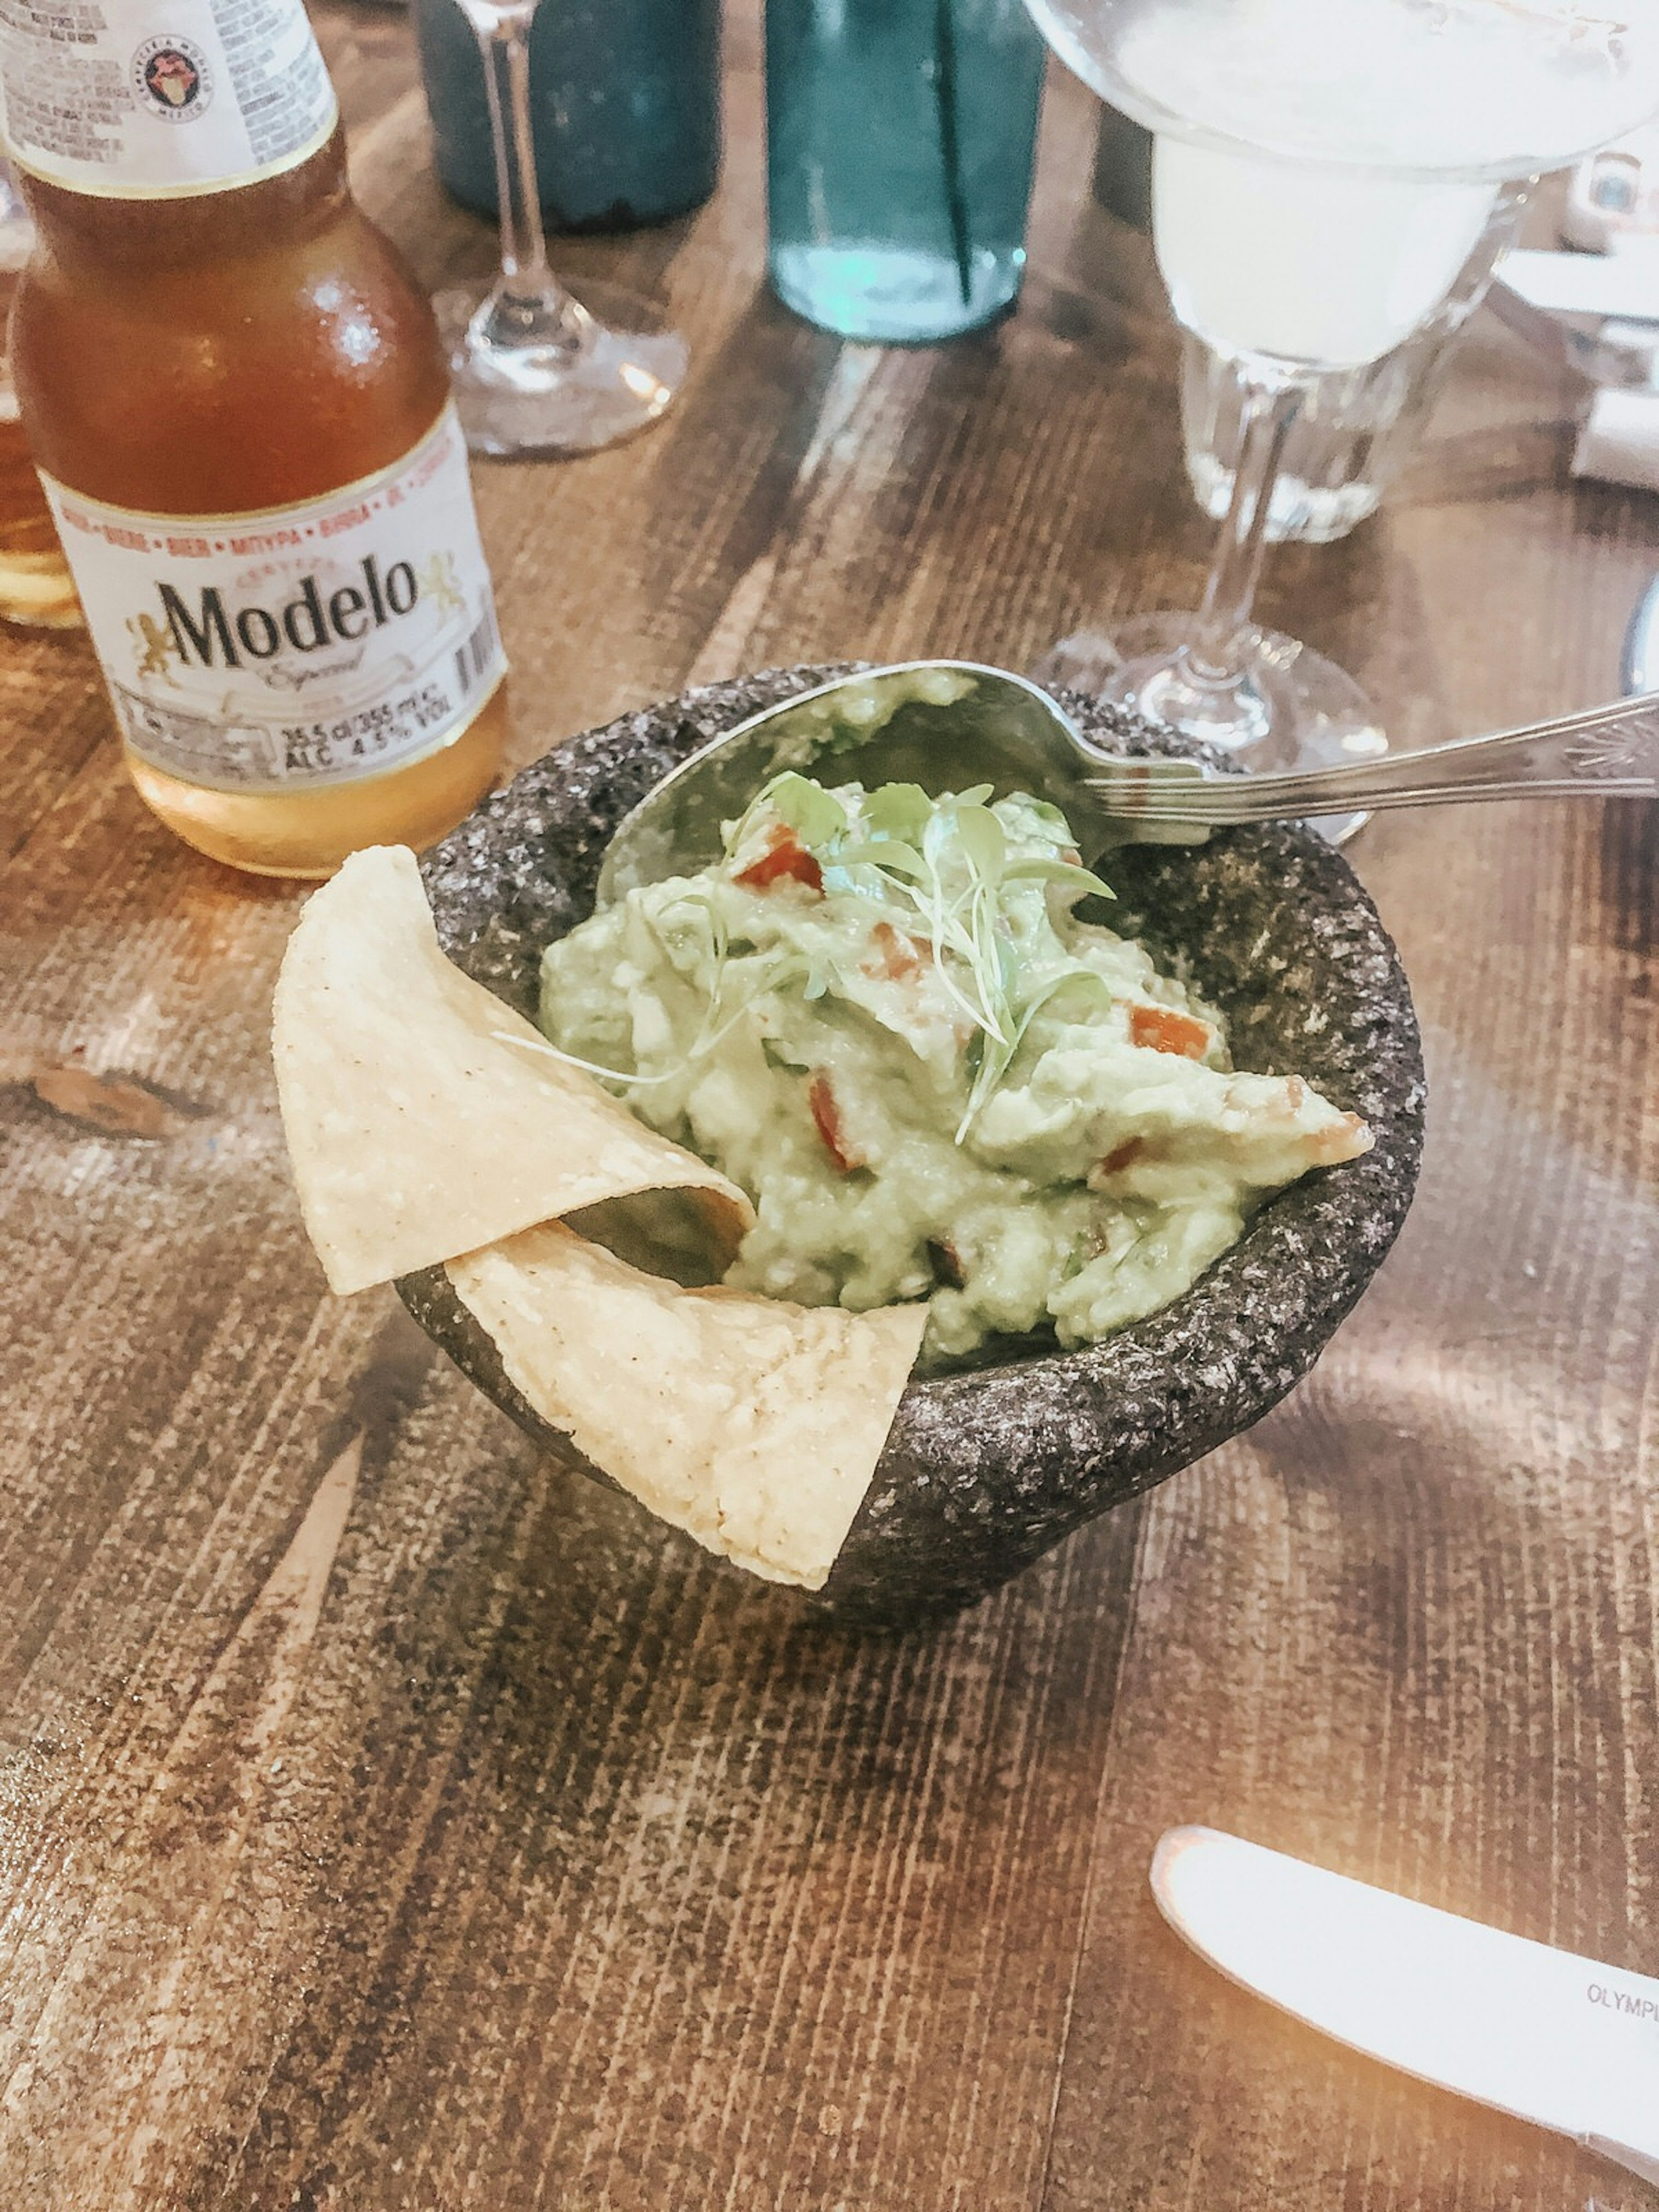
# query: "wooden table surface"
388, 1820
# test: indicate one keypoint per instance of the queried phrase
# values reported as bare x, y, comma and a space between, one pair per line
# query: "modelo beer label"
301, 647
160, 99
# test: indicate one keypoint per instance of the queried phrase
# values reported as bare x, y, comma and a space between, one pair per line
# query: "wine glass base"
1296, 709
543, 402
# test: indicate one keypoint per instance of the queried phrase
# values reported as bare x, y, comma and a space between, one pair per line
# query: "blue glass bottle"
900, 134
624, 100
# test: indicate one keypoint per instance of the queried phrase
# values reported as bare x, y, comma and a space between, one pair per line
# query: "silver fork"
1603, 752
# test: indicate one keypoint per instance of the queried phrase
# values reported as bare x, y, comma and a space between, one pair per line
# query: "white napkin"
1623, 281
1615, 297
1620, 441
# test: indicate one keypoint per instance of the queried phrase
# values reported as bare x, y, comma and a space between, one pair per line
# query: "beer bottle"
35, 589
235, 395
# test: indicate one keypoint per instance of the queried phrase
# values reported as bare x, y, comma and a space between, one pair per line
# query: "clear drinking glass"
535, 369
1322, 170
1356, 428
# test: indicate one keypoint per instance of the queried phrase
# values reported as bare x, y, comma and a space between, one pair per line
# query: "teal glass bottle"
624, 100
900, 135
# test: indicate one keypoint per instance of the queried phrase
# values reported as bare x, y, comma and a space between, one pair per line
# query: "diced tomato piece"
947, 1260
894, 956
786, 860
1167, 1031
1122, 1155
826, 1119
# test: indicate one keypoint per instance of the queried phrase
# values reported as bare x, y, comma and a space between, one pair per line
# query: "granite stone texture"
984, 1471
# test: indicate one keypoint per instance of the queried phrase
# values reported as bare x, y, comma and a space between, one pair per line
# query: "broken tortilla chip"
753, 1426
425, 1118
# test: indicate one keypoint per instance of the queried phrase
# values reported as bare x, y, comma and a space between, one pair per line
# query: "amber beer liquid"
34, 580
36, 588
235, 395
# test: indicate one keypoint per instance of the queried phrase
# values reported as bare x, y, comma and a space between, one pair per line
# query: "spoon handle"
1610, 751
1617, 743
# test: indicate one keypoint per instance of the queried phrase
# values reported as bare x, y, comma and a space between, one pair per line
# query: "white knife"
1534, 2032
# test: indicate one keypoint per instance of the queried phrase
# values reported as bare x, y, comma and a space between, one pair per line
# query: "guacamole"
880, 1014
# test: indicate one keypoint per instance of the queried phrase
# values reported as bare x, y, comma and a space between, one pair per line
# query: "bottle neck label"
160, 99
301, 647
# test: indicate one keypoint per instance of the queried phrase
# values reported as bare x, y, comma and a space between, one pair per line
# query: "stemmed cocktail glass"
1322, 171
535, 370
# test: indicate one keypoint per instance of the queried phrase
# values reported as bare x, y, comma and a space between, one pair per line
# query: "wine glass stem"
1218, 655
528, 307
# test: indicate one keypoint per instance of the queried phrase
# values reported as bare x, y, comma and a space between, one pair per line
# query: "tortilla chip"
415, 1131
753, 1426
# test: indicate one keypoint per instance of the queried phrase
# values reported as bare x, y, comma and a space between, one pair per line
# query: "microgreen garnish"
574, 1060
946, 861
815, 816
949, 860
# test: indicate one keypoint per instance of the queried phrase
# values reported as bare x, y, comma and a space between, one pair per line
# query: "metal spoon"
947, 724
980, 725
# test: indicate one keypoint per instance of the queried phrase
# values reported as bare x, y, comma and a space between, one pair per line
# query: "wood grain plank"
391, 1823
1416, 1607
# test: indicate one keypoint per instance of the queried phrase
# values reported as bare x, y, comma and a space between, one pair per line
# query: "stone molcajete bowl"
984, 1471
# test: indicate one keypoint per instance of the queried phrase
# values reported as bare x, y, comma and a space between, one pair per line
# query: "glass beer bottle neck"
164, 100
119, 241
